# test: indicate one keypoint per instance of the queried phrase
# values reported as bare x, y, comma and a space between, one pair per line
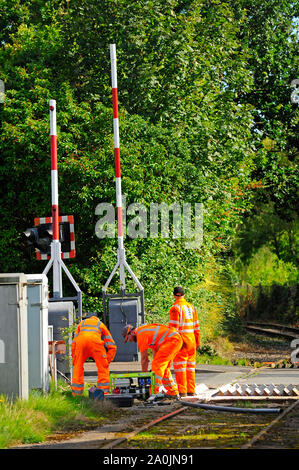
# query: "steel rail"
292, 329
143, 428
171, 415
156, 421
289, 333
270, 425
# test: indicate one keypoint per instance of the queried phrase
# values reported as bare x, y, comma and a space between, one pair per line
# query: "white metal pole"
121, 250
55, 245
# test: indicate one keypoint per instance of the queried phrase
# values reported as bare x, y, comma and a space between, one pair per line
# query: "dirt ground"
257, 348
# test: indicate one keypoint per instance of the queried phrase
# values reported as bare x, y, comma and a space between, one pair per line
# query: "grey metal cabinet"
13, 335
38, 348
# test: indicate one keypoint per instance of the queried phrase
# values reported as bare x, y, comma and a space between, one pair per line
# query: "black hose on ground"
230, 408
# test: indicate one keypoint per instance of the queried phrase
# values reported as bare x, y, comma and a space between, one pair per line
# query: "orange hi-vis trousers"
166, 343
162, 362
87, 343
184, 368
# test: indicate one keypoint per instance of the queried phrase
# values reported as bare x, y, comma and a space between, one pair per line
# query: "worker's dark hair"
178, 291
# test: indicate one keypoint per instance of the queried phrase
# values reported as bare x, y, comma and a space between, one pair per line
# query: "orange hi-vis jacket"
165, 342
183, 317
92, 339
156, 334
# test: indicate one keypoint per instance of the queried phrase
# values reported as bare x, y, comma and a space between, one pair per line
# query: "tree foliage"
188, 79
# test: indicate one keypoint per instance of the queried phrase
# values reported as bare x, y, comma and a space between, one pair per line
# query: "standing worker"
165, 343
92, 339
183, 317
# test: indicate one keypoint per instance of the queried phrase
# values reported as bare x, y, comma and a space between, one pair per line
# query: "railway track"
193, 428
273, 329
171, 427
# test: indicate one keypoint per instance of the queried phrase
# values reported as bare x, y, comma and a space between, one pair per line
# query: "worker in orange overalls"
92, 339
165, 343
183, 317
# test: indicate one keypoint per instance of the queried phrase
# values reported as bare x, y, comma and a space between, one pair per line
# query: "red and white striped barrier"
55, 260
121, 257
116, 146
54, 171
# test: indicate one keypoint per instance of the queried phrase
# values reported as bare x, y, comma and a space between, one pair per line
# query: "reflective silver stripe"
158, 377
91, 328
169, 381
155, 334
163, 337
179, 370
78, 385
110, 343
103, 384
145, 329
175, 322
182, 363
172, 334
77, 392
187, 331
191, 363
98, 327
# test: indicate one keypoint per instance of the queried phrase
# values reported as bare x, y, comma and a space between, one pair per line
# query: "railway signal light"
41, 237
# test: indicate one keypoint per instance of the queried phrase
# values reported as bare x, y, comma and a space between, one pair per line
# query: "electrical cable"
231, 409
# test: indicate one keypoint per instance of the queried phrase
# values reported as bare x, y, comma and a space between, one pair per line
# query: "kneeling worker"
165, 343
92, 339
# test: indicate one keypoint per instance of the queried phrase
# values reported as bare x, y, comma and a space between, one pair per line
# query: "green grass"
214, 360
33, 420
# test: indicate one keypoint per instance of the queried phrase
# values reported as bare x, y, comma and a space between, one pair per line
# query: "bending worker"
165, 343
92, 339
183, 317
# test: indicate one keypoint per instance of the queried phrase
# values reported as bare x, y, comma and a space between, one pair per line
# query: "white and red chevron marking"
62, 218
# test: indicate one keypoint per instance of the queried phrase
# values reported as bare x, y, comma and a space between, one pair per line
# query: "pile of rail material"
260, 390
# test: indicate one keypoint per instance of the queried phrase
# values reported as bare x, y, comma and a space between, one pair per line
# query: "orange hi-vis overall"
183, 317
165, 343
92, 339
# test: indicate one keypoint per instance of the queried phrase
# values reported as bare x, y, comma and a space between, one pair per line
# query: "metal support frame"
58, 263
121, 256
121, 262
55, 259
